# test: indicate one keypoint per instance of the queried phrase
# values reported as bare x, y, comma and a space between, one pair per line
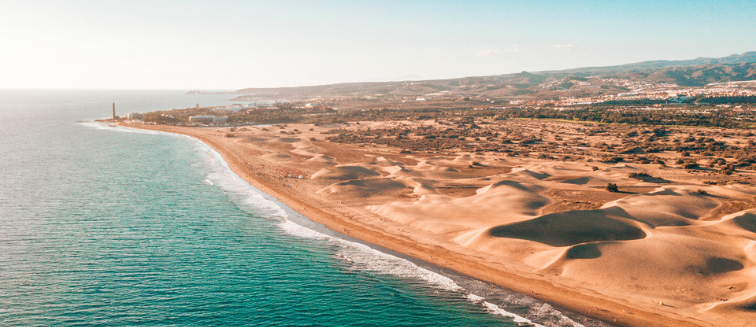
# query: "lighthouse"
114, 116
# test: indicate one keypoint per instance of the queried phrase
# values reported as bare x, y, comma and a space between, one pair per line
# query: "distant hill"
748, 57
589, 81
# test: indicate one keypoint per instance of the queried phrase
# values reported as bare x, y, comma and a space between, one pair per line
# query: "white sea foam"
475, 298
245, 196
292, 228
96, 125
108, 126
365, 258
495, 309
546, 309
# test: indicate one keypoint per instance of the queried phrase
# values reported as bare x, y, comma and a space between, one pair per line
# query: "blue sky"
237, 44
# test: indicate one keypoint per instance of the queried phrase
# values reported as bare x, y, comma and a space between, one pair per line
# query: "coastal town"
700, 105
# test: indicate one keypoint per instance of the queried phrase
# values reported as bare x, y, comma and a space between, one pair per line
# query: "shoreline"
462, 284
457, 279
581, 301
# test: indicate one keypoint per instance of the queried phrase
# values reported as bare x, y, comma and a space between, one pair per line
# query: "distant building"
315, 105
134, 116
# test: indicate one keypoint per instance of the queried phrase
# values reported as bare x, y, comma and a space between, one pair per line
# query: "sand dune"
364, 188
277, 156
527, 173
666, 206
740, 226
322, 159
257, 139
573, 227
424, 187
622, 167
400, 171
587, 181
381, 161
463, 158
518, 200
741, 221
431, 166
343, 173
289, 139
665, 266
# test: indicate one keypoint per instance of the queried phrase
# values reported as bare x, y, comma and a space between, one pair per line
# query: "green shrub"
690, 165
638, 175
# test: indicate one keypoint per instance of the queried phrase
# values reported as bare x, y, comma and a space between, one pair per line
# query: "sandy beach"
666, 250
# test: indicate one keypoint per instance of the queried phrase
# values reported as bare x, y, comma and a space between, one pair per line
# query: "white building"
134, 116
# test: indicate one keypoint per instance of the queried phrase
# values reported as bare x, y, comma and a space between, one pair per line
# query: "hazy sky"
237, 44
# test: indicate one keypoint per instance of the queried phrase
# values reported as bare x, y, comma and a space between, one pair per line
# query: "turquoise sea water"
103, 226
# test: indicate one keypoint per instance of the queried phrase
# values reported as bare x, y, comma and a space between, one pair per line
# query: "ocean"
106, 226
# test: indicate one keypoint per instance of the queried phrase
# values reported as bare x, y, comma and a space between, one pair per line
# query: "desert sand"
666, 250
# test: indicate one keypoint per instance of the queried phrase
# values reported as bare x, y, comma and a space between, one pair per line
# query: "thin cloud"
564, 46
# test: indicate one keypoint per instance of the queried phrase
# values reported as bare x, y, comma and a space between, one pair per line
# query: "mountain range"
577, 82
